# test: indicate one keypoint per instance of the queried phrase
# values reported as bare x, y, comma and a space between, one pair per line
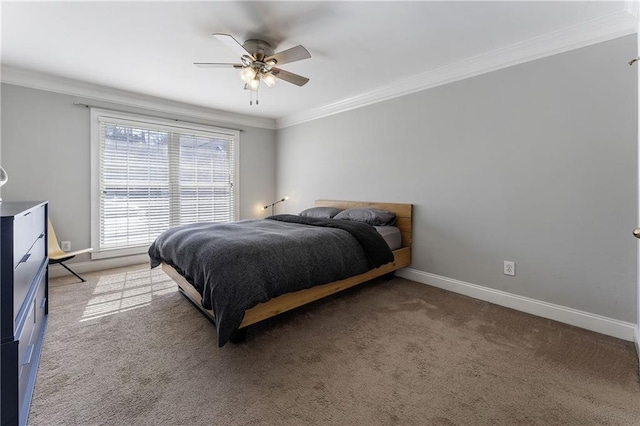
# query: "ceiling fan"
258, 63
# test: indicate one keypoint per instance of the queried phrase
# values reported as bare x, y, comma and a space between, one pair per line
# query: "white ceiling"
356, 47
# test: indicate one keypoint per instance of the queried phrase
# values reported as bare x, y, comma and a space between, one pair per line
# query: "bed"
199, 283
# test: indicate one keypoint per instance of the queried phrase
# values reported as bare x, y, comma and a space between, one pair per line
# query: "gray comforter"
237, 265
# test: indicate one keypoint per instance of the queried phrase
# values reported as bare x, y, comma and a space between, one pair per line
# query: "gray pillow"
322, 212
375, 217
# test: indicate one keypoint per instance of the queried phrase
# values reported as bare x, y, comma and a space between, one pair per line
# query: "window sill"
130, 251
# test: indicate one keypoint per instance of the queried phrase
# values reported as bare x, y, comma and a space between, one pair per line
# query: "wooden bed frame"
286, 302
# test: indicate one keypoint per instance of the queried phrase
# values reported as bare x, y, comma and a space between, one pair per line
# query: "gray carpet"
126, 348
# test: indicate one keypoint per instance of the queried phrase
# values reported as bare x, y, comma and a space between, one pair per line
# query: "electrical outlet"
509, 267
66, 246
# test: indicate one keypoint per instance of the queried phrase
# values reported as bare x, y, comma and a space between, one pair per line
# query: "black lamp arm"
272, 205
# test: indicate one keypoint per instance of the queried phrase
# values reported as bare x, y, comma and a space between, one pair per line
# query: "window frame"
96, 168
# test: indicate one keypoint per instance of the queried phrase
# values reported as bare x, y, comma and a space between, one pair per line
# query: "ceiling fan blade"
232, 43
216, 65
296, 79
296, 53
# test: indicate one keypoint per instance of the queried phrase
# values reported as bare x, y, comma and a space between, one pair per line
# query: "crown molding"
604, 28
632, 7
102, 94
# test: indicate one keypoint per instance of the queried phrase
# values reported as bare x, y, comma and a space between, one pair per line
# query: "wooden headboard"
404, 213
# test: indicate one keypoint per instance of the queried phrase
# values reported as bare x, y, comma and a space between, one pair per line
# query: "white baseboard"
98, 265
589, 321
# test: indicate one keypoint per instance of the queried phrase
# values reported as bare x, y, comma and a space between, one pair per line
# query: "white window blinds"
155, 175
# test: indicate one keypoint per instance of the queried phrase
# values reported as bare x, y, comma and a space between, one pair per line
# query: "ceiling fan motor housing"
260, 49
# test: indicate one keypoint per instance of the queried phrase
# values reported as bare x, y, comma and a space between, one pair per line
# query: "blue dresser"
23, 304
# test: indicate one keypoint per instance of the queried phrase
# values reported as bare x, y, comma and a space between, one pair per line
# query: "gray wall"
46, 152
536, 163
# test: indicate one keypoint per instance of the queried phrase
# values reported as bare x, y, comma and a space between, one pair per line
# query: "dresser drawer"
40, 308
27, 228
29, 343
24, 275
26, 350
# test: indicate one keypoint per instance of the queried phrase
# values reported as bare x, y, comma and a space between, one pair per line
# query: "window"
150, 174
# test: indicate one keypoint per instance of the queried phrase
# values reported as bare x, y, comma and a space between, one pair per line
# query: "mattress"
391, 235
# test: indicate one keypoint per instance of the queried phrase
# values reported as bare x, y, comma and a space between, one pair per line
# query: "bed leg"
239, 336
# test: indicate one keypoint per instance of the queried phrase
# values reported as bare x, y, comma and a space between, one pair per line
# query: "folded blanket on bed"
237, 265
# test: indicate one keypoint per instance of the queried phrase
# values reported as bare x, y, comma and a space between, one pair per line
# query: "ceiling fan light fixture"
254, 84
269, 79
248, 74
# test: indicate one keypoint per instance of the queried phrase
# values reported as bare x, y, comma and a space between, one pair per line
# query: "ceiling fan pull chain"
257, 100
